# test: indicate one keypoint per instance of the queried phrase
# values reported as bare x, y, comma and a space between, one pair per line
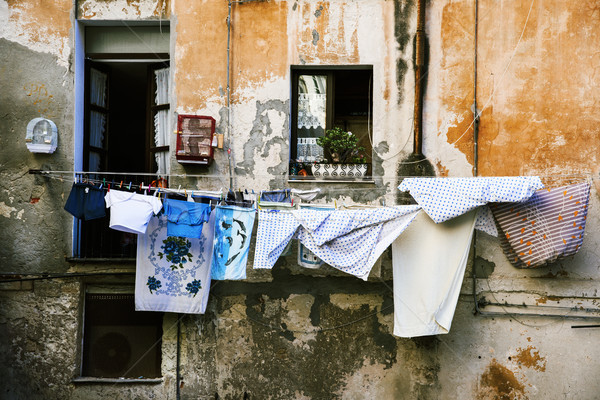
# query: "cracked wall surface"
294, 333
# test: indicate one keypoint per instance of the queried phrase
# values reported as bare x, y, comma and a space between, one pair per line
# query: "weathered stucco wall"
535, 86
292, 333
36, 81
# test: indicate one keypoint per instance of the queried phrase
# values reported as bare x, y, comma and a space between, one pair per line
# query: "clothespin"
129, 188
108, 188
104, 181
121, 185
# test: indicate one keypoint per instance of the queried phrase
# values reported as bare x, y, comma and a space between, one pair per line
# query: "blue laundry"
86, 202
185, 218
279, 196
233, 231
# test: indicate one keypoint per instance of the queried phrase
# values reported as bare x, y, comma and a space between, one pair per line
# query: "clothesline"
272, 176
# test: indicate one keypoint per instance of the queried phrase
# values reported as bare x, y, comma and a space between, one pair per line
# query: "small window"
326, 98
119, 342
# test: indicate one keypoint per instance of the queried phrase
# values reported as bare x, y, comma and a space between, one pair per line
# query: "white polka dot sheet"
446, 198
349, 240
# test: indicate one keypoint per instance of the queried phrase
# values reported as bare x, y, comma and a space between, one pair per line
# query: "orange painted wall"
539, 92
258, 48
50, 20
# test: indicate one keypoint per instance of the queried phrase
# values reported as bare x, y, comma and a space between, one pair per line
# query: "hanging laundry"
349, 240
279, 196
185, 219
233, 232
173, 273
130, 212
237, 199
86, 202
429, 262
547, 227
306, 195
307, 258
446, 198
485, 222
268, 206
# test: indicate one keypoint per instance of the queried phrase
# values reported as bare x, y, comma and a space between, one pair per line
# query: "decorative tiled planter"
339, 170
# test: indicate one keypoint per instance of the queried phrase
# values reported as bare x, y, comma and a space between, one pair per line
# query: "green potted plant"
343, 156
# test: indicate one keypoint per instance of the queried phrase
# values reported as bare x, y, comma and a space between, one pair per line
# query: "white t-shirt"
131, 212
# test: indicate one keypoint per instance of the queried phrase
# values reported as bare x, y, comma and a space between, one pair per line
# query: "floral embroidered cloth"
547, 227
233, 232
173, 273
446, 198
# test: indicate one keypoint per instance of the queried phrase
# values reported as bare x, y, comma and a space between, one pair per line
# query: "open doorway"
125, 125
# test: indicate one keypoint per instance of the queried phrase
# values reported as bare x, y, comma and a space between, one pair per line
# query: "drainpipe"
475, 110
178, 360
228, 141
419, 75
416, 164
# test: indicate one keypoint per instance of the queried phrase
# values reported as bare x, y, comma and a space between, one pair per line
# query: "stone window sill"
312, 179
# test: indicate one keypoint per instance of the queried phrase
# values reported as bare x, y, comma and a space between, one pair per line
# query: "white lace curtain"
312, 115
162, 121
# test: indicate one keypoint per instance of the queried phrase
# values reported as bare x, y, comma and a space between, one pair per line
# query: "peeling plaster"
6, 210
124, 9
47, 30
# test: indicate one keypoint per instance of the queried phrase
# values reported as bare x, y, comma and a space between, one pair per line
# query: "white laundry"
429, 263
130, 212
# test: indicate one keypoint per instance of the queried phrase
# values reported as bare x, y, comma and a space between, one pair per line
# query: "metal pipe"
228, 141
475, 111
419, 74
475, 134
177, 367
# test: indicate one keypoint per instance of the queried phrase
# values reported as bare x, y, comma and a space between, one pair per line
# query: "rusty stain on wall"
500, 383
530, 357
40, 98
442, 171
544, 299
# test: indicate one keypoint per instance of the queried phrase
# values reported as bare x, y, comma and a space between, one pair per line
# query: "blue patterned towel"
233, 231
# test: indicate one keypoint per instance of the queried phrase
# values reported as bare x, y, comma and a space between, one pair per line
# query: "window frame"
158, 318
329, 71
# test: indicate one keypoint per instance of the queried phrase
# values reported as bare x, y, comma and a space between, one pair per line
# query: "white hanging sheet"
429, 262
